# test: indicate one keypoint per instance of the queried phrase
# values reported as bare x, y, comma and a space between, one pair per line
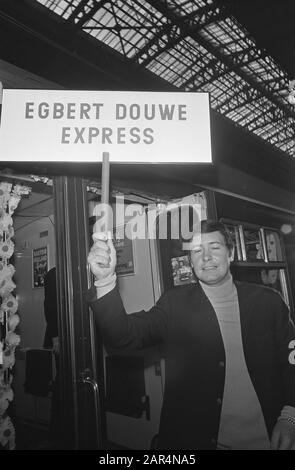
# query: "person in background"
228, 348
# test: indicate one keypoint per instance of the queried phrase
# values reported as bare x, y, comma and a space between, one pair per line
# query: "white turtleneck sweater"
242, 423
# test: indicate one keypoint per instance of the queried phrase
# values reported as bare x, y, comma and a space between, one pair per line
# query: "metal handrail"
87, 379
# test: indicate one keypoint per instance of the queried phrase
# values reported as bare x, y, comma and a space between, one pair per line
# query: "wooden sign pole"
105, 178
105, 188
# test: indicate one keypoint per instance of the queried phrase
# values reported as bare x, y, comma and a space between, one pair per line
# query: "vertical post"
105, 223
1, 95
105, 178
81, 428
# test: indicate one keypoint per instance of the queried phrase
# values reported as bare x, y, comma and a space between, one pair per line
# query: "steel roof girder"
161, 5
182, 30
243, 98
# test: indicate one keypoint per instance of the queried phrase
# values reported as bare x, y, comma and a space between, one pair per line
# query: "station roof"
241, 53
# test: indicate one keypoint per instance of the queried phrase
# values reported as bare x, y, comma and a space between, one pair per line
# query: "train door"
52, 396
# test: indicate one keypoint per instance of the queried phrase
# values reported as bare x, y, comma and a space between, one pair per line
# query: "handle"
87, 379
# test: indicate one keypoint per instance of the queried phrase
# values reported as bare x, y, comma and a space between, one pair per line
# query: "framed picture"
252, 245
182, 271
273, 245
234, 232
39, 265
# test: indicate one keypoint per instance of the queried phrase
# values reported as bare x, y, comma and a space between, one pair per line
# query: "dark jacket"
184, 321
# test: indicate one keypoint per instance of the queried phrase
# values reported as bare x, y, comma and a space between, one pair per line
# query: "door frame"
82, 415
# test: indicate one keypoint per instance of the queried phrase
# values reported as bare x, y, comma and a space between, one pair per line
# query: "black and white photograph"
147, 228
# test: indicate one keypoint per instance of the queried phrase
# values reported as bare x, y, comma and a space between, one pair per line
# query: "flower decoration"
9, 304
7, 433
5, 189
8, 358
5, 222
6, 395
6, 249
6, 287
6, 270
10, 197
13, 203
20, 190
291, 95
12, 339
42, 179
13, 321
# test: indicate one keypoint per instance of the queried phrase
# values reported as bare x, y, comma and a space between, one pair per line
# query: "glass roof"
195, 45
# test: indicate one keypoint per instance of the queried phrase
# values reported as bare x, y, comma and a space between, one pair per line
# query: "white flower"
6, 187
6, 283
12, 339
4, 404
8, 358
9, 304
4, 194
6, 249
6, 270
13, 322
7, 433
6, 395
6, 287
21, 190
13, 203
291, 97
5, 222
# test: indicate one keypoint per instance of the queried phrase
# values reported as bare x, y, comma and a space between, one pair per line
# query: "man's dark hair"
208, 226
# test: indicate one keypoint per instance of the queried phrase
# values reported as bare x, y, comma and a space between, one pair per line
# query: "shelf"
262, 264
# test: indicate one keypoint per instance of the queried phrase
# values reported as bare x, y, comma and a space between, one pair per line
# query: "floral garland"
10, 196
291, 95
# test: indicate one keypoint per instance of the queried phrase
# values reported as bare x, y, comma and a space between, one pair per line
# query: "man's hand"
283, 436
102, 256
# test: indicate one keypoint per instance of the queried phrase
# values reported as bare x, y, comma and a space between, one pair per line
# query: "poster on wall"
125, 256
181, 271
40, 265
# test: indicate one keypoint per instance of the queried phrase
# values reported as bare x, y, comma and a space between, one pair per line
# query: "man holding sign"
228, 348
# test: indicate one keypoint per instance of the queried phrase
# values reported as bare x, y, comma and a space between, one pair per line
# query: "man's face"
211, 259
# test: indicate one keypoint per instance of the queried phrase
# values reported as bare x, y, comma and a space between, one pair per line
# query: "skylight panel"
189, 6
244, 83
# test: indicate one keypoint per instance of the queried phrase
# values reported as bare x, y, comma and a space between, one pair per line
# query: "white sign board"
78, 126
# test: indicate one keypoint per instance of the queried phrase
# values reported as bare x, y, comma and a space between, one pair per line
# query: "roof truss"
195, 46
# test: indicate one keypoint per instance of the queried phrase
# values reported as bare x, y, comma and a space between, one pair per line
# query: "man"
230, 373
